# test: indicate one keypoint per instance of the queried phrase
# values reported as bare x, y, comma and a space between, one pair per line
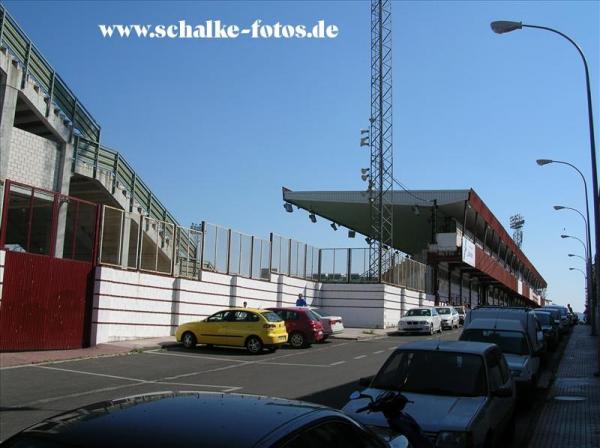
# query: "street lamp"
501, 27
578, 256
592, 293
563, 236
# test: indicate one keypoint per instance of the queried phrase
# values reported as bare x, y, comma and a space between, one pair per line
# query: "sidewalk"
363, 333
11, 359
570, 417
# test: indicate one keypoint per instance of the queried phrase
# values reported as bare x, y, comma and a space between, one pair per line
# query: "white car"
449, 316
331, 324
420, 320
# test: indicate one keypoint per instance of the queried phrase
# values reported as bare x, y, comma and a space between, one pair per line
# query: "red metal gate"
51, 249
45, 303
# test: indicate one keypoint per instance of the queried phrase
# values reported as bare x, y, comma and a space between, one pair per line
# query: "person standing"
300, 301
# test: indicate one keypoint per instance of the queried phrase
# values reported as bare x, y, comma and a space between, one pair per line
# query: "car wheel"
254, 345
297, 340
189, 339
431, 331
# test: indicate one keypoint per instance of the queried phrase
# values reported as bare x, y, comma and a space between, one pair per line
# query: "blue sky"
217, 127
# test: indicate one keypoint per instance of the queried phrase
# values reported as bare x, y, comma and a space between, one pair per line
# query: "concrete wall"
131, 304
34, 160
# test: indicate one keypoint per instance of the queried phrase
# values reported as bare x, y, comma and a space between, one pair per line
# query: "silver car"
462, 393
449, 316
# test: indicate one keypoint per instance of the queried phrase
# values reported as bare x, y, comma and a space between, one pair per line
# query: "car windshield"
443, 310
512, 342
418, 371
418, 312
271, 316
544, 318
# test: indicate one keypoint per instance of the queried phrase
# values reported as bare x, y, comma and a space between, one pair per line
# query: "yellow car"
241, 327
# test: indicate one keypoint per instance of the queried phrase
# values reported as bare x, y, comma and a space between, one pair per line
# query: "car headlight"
426, 324
451, 439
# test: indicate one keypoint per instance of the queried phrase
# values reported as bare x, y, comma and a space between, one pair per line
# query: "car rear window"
316, 312
418, 371
272, 317
418, 312
512, 342
312, 315
544, 318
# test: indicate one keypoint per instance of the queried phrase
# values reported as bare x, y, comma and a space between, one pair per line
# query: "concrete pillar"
63, 183
9, 92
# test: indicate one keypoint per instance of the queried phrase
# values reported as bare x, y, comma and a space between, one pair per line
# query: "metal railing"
124, 179
35, 65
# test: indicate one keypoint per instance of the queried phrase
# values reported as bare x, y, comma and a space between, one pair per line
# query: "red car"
302, 325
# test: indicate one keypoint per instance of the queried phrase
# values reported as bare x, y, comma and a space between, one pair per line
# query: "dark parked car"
302, 325
549, 327
198, 419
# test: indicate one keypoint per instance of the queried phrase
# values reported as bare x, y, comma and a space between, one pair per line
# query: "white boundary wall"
132, 305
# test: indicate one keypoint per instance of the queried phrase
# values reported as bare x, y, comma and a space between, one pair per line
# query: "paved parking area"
324, 373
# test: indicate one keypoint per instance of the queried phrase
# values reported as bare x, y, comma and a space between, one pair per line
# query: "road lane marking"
337, 363
291, 364
92, 373
360, 356
182, 355
378, 352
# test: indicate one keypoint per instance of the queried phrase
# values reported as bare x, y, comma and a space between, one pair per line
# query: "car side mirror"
503, 392
366, 381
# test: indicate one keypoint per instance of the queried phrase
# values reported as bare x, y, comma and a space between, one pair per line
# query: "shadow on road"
335, 397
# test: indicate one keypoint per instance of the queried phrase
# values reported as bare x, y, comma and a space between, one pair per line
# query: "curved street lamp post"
502, 27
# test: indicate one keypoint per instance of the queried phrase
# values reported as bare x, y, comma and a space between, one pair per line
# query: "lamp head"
559, 207
333, 226
542, 162
288, 207
505, 26
565, 236
312, 218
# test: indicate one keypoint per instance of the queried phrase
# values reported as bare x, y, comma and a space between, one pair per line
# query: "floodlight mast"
381, 171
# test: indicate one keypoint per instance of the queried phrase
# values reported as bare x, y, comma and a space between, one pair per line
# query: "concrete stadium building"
88, 254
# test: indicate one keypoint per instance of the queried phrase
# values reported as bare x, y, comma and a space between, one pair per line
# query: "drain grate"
569, 398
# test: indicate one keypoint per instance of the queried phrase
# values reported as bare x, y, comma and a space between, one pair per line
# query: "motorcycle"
391, 405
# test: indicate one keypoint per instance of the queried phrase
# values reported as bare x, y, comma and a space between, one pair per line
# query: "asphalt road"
325, 373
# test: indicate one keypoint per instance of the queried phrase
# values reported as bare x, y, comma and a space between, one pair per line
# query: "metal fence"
352, 266
294, 258
134, 241
48, 223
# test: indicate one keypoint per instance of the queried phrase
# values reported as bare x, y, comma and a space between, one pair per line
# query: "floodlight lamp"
333, 226
288, 207
351, 234
542, 162
368, 240
312, 218
364, 170
364, 177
